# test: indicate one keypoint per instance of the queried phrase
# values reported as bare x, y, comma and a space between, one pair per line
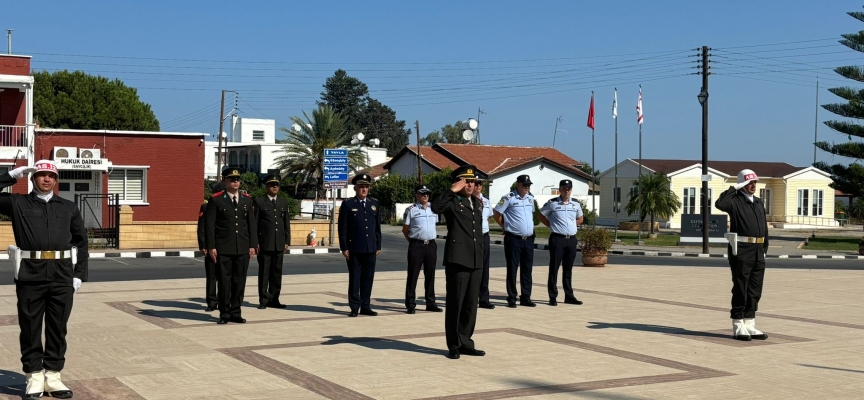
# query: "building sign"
691, 225
92, 164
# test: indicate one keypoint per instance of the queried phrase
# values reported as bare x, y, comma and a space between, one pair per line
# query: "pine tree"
847, 178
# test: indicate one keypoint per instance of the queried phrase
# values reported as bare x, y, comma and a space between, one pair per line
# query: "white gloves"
76, 283
19, 172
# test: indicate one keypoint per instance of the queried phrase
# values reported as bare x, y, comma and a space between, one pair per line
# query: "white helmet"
745, 177
47, 166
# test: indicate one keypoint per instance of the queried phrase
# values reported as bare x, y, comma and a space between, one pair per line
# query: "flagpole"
593, 166
638, 187
615, 202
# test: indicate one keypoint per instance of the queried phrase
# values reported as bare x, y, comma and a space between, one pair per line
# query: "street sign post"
335, 169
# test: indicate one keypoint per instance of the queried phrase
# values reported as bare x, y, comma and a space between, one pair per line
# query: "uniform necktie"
274, 203
234, 200
363, 203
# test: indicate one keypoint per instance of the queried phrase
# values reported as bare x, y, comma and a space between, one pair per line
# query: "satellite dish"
468, 135
374, 142
360, 136
472, 123
295, 127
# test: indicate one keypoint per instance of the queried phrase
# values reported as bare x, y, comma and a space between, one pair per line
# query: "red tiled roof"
377, 171
428, 154
762, 169
489, 158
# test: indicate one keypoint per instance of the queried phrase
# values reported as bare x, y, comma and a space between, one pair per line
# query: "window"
232, 158
555, 191
818, 196
258, 136
76, 175
803, 201
710, 201
130, 184
765, 195
689, 204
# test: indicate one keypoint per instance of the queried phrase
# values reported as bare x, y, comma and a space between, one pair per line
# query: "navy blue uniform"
360, 234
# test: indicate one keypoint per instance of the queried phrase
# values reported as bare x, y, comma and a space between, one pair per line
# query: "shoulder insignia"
511, 194
246, 195
501, 203
411, 207
574, 199
551, 200
372, 198
217, 194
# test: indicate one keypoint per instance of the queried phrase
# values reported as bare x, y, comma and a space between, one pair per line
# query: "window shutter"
115, 182
134, 185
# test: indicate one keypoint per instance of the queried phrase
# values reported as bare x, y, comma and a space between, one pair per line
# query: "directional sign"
335, 152
335, 185
335, 169
335, 177
335, 161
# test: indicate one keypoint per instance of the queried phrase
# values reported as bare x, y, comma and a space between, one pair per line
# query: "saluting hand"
457, 186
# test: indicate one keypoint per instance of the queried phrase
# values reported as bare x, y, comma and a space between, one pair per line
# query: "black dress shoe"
368, 312
32, 396
434, 308
759, 337
511, 304
472, 352
237, 320
222, 321
261, 306
277, 305
352, 314
553, 302
486, 305
573, 300
410, 311
453, 354
210, 309
527, 303
743, 338
61, 394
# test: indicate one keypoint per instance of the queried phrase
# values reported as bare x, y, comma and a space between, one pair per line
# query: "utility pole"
557, 120
816, 125
703, 99
219, 138
419, 165
477, 136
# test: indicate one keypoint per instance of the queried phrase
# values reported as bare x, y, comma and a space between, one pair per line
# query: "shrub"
594, 241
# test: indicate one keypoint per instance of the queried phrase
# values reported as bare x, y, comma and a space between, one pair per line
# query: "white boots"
739, 330
55, 387
750, 325
35, 384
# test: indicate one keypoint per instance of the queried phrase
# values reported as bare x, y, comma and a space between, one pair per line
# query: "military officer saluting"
419, 229
562, 215
515, 213
231, 237
487, 212
463, 260
360, 242
274, 235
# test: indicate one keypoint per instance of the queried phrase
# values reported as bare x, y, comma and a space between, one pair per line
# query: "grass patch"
843, 243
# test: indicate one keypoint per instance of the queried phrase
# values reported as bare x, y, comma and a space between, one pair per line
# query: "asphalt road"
392, 258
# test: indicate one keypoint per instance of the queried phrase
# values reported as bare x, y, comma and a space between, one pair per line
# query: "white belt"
46, 254
745, 239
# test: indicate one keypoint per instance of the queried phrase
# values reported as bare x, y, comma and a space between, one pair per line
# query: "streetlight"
703, 100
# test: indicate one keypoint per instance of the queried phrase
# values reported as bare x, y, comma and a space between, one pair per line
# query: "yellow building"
796, 197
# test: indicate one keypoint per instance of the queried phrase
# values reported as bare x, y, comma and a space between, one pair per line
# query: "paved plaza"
645, 332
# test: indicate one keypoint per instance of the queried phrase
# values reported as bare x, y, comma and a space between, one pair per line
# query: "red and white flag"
591, 113
639, 107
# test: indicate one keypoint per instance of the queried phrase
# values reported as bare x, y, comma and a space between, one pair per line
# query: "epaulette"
511, 194
217, 194
246, 194
372, 198
574, 199
409, 207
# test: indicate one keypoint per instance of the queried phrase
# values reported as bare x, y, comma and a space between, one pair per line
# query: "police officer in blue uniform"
232, 238
487, 212
515, 213
360, 242
419, 229
562, 214
463, 260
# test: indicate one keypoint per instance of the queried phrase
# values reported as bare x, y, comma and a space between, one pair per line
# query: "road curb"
699, 255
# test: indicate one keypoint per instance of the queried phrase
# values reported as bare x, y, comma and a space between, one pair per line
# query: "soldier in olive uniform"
231, 237
360, 242
212, 278
463, 260
274, 235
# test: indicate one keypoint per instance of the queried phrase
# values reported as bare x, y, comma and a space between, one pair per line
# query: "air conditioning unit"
90, 153
65, 152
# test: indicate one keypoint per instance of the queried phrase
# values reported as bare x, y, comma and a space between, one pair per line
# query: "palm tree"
653, 197
303, 154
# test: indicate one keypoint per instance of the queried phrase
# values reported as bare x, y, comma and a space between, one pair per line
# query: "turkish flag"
591, 113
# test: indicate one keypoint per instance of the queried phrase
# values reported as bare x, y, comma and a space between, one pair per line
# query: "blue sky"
524, 63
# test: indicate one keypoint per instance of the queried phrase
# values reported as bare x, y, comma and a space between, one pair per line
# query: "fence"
13, 136
103, 228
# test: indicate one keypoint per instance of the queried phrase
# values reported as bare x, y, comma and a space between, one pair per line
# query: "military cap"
481, 177
523, 179
217, 187
565, 183
231, 173
467, 172
271, 179
361, 179
422, 189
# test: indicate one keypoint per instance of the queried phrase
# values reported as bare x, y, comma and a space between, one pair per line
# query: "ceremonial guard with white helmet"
419, 229
50, 258
562, 215
515, 214
747, 248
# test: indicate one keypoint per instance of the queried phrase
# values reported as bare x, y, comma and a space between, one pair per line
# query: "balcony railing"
13, 136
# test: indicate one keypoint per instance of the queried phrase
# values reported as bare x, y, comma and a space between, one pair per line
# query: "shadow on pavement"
655, 328
383, 344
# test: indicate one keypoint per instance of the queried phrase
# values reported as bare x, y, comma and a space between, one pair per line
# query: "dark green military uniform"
274, 233
463, 262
